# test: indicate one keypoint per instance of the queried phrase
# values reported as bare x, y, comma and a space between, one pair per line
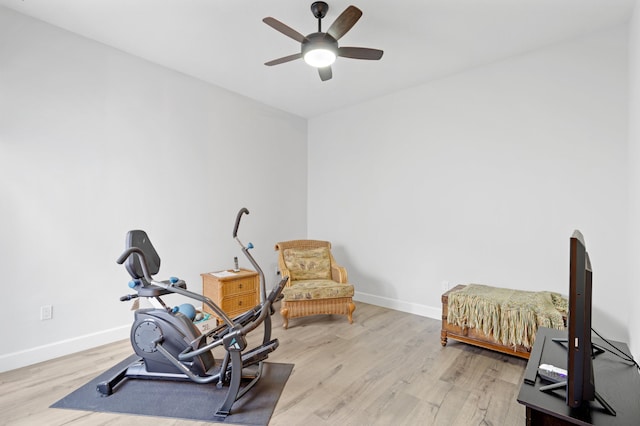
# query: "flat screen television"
580, 384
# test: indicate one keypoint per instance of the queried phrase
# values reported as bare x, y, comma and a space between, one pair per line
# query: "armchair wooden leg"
285, 317
352, 307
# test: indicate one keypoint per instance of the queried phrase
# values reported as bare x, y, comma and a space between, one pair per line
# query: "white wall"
634, 180
481, 178
93, 143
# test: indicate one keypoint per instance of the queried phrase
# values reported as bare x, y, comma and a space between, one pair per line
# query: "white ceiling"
225, 42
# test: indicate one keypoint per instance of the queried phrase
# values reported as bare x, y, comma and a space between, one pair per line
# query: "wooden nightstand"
234, 292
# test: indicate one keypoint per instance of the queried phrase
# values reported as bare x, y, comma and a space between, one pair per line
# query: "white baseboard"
399, 305
50, 351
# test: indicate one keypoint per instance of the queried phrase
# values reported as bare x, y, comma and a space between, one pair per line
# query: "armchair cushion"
308, 264
316, 289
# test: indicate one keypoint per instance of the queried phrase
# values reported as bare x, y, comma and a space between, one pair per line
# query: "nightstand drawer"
237, 305
241, 285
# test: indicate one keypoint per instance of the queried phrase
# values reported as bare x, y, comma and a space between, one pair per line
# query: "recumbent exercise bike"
171, 347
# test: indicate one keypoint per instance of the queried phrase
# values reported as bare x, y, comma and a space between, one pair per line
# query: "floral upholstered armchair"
317, 284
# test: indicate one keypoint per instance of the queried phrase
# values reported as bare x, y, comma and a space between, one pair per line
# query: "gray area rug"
185, 400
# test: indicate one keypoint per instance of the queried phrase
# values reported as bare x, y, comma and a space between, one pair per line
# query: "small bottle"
235, 264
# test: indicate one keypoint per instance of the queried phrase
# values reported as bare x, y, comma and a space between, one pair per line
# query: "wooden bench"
474, 336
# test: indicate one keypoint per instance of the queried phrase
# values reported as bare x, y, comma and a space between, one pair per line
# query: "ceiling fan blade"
325, 73
284, 59
344, 22
360, 53
284, 29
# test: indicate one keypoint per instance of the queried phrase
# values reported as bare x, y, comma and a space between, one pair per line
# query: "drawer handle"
240, 285
240, 303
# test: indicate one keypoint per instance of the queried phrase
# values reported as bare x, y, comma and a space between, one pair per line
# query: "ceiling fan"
321, 49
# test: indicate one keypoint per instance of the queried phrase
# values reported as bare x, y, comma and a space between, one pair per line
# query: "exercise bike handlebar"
143, 260
238, 217
266, 308
245, 250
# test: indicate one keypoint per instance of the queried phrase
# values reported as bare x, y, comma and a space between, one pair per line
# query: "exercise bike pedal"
259, 354
250, 372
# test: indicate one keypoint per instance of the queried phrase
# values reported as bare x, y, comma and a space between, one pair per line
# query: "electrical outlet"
46, 312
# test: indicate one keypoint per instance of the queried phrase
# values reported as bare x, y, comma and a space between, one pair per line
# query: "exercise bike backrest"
142, 262
139, 239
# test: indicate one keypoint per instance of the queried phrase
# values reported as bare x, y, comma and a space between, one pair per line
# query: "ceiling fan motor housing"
319, 41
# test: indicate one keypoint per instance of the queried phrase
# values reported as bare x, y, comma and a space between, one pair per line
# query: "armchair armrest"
284, 272
338, 273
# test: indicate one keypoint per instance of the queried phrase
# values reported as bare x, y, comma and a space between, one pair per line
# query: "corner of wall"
634, 177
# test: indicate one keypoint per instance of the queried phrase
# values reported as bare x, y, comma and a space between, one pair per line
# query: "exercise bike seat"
150, 290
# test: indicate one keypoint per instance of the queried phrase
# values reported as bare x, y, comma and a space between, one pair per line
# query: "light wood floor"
387, 368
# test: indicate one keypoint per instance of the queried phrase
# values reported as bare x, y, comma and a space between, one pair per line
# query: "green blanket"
512, 317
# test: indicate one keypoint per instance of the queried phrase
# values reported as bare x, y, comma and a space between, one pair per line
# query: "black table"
617, 381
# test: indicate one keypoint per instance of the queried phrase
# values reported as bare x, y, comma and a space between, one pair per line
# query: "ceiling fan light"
319, 50
320, 58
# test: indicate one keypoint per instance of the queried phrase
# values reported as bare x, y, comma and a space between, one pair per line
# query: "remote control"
552, 374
